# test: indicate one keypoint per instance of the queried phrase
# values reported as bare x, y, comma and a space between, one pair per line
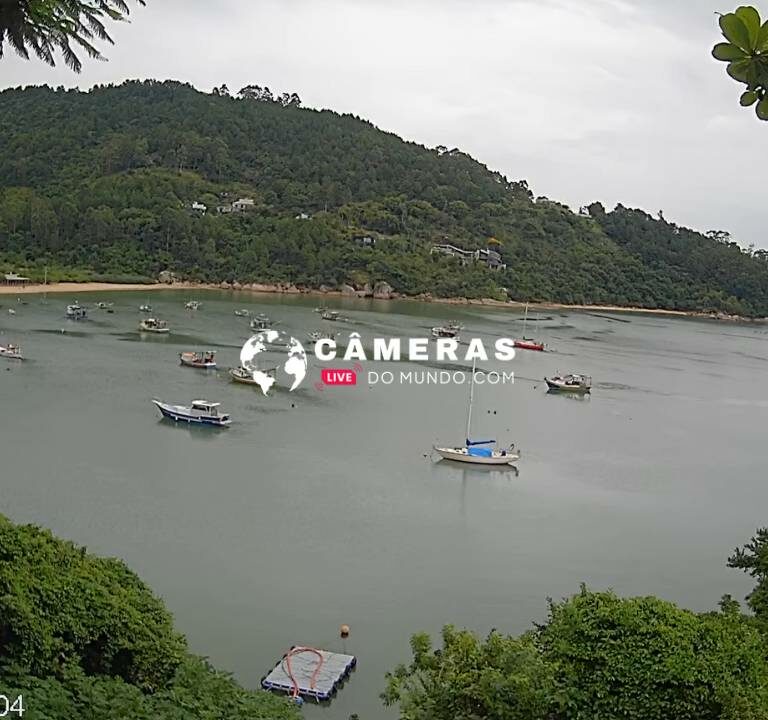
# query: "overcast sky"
610, 100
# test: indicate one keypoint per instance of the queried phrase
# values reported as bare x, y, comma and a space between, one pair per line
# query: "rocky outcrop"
166, 277
348, 290
382, 291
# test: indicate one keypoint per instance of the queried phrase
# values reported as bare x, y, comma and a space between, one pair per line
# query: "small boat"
526, 343
21, 302
11, 352
243, 312
478, 452
11, 311
571, 383
192, 305
332, 315
200, 412
145, 308
261, 322
320, 335
104, 305
154, 325
76, 311
446, 331
244, 376
321, 309
201, 360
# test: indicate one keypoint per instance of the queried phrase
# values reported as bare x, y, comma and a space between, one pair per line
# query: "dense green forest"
82, 637
101, 185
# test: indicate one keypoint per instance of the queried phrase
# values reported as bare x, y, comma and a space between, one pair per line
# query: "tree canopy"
83, 637
125, 181
46, 27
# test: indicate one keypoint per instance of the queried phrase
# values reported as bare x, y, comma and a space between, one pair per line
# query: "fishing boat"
145, 308
76, 311
245, 377
200, 412
478, 452
526, 343
153, 325
332, 315
11, 352
320, 335
261, 322
450, 330
201, 360
571, 383
244, 312
192, 305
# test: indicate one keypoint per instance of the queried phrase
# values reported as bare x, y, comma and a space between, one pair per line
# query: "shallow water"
322, 507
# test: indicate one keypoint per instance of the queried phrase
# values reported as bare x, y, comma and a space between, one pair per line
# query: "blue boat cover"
470, 443
479, 452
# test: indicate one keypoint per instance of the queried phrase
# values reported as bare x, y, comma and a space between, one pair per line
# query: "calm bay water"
318, 508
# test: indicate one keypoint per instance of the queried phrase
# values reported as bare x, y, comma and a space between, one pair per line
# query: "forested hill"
110, 184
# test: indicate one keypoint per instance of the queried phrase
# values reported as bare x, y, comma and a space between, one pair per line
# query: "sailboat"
526, 343
478, 452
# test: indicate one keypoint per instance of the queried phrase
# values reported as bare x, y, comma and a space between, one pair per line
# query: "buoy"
344, 631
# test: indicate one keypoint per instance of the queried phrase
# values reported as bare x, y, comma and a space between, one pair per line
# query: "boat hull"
177, 414
11, 355
529, 345
573, 389
461, 455
197, 364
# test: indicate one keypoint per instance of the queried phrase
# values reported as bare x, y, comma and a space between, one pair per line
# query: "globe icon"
295, 364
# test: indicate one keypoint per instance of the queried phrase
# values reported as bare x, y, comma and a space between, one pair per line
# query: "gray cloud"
616, 100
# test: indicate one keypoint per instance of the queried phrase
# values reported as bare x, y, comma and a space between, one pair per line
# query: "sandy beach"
266, 289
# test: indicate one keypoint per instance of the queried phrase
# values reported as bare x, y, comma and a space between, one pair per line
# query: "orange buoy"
344, 631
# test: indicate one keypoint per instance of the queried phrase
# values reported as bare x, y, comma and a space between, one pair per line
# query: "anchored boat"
192, 305
145, 308
526, 343
317, 335
153, 325
200, 412
243, 312
11, 352
478, 452
200, 360
76, 311
332, 315
449, 330
261, 322
571, 383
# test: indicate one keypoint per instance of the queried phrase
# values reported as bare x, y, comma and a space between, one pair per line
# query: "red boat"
527, 344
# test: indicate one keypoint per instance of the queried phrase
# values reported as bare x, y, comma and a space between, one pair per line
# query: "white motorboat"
243, 312
450, 330
200, 360
200, 412
317, 335
332, 315
570, 383
478, 452
11, 352
192, 305
153, 325
75, 311
261, 322
145, 308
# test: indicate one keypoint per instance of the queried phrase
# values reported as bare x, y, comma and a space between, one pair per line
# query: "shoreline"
268, 289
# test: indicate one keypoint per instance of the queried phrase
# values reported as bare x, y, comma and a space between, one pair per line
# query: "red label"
338, 377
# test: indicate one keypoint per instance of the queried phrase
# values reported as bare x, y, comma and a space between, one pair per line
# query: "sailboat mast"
525, 319
471, 398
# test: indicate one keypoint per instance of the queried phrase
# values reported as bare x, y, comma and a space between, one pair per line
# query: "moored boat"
261, 322
245, 377
11, 352
332, 315
153, 325
529, 344
571, 383
193, 305
478, 452
450, 330
146, 308
200, 412
243, 312
320, 335
75, 311
201, 360
104, 305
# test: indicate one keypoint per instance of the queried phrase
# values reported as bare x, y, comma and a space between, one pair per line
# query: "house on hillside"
243, 204
198, 207
489, 257
303, 216
364, 240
